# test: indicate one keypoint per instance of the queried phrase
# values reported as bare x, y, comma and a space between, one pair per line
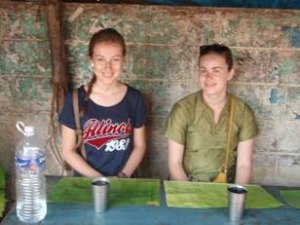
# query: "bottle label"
34, 165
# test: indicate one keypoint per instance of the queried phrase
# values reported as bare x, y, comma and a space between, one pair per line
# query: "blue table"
78, 214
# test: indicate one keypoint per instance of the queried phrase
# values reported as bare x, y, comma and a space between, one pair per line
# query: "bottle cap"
28, 131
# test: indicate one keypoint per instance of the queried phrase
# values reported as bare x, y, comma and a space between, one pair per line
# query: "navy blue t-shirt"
107, 132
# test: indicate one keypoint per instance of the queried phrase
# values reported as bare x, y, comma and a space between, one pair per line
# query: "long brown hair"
107, 35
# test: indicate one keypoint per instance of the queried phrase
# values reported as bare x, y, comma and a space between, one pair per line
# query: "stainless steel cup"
236, 202
100, 187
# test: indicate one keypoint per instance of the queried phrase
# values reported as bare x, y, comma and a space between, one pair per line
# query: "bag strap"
79, 145
229, 133
76, 117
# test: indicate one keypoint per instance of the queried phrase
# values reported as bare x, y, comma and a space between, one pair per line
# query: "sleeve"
249, 128
66, 116
139, 111
176, 124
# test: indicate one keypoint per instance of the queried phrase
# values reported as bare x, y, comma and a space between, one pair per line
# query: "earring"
92, 65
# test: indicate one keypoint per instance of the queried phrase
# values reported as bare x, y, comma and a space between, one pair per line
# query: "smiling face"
214, 74
107, 61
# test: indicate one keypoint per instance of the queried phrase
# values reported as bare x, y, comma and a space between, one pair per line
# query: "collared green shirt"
191, 123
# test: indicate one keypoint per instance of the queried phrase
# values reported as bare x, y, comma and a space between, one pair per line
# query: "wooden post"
60, 79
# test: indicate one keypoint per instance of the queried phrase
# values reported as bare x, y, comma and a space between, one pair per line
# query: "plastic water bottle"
30, 178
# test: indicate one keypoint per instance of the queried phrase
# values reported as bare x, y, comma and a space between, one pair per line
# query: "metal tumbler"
236, 202
100, 187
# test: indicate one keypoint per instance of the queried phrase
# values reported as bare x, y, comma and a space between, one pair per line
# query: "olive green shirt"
191, 123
